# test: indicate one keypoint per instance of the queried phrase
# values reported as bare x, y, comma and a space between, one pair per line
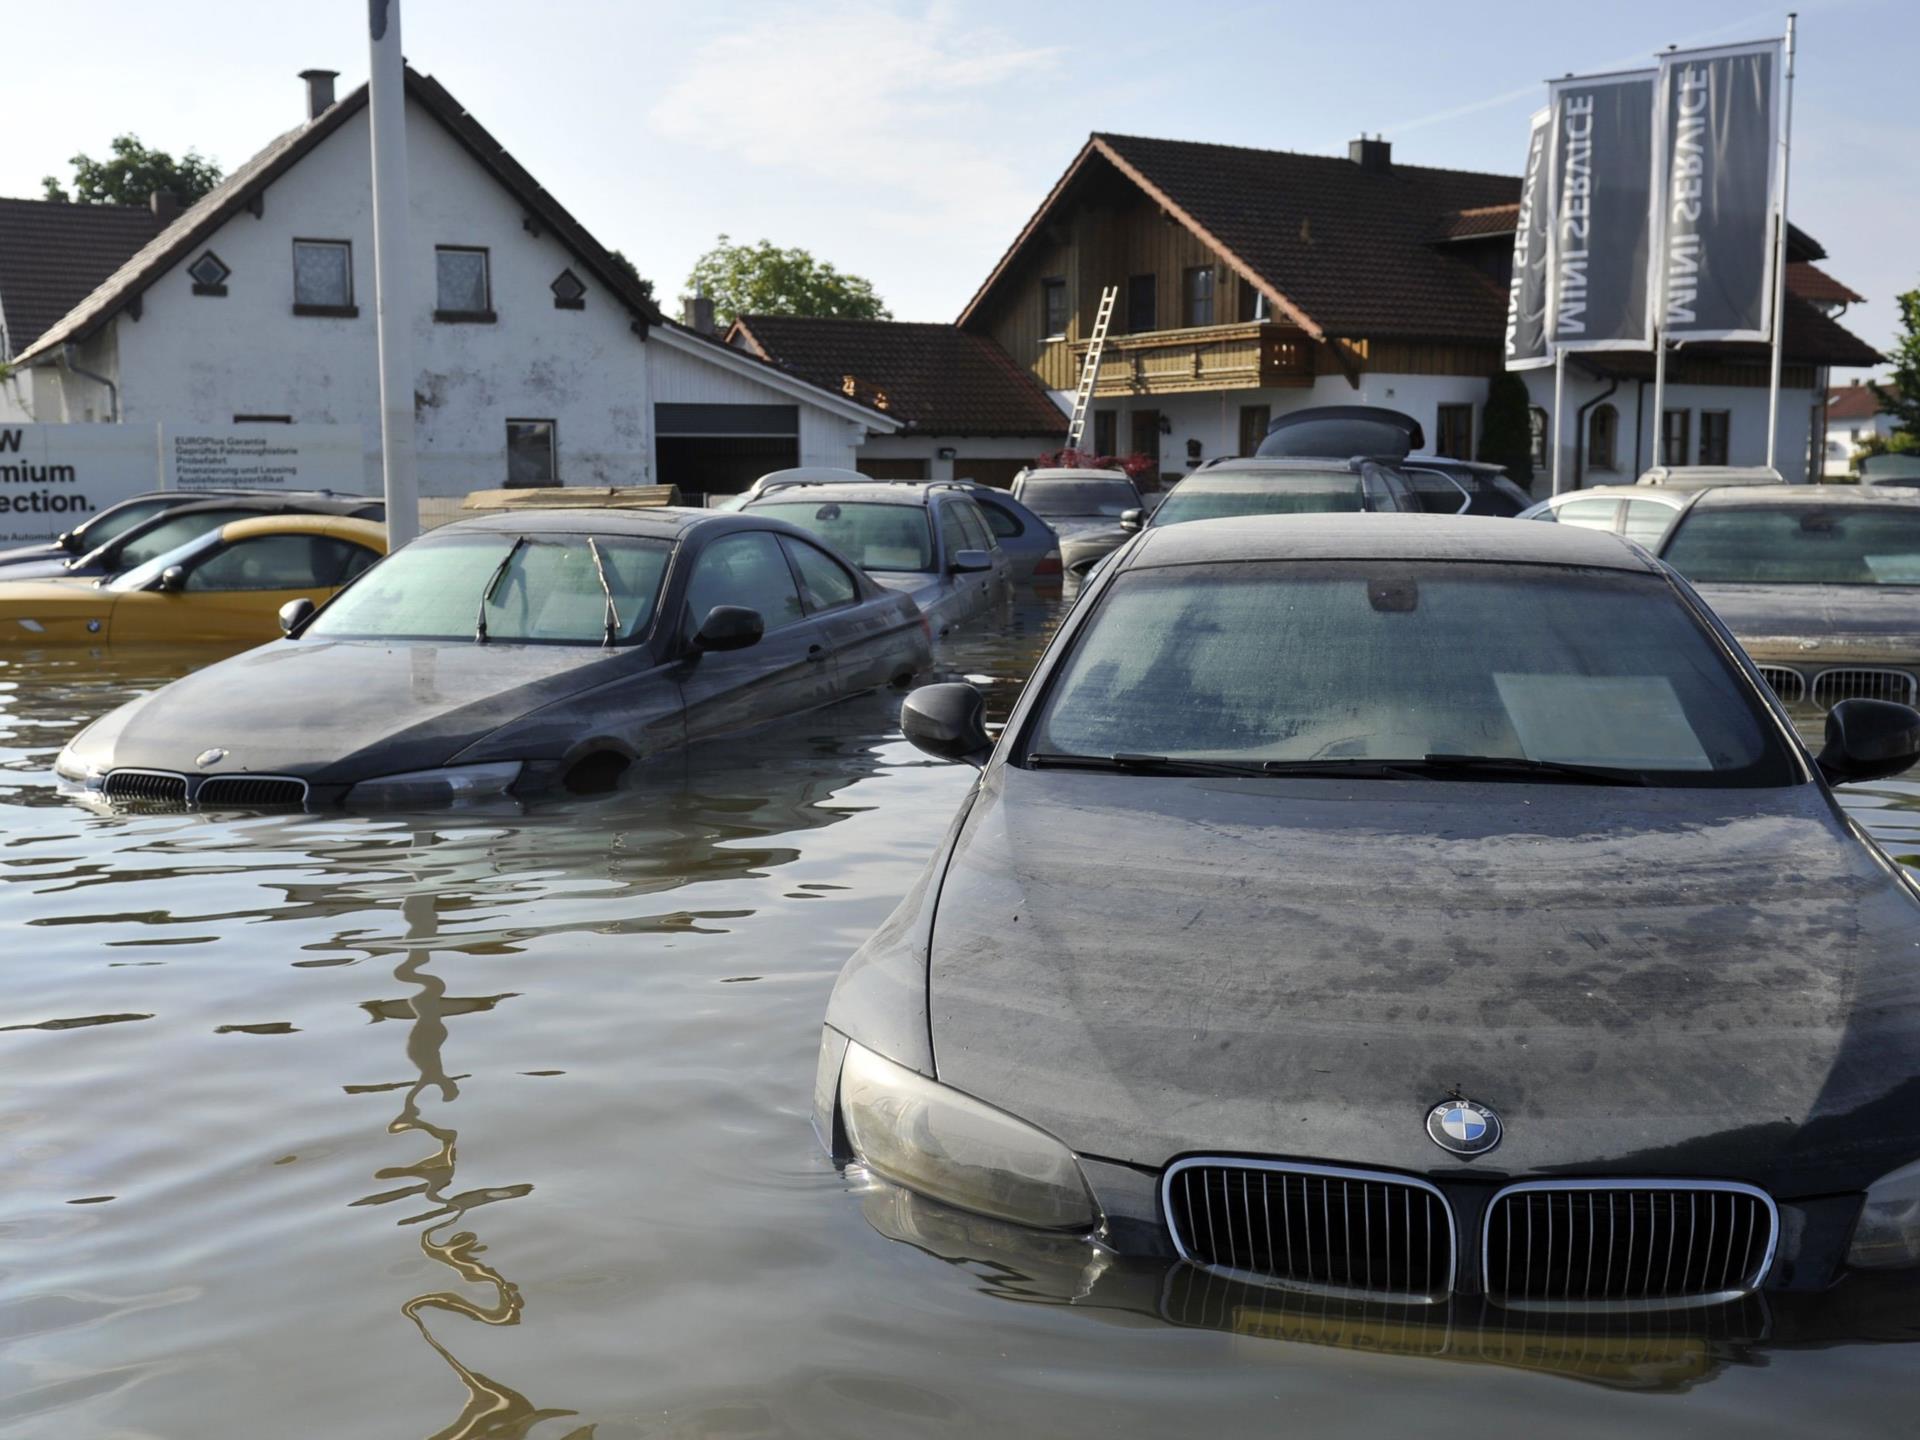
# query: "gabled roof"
1852, 402
761, 371
1489, 220
938, 379
53, 254
248, 184
1810, 282
1339, 249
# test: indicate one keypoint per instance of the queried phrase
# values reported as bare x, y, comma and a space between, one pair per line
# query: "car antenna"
493, 581
613, 611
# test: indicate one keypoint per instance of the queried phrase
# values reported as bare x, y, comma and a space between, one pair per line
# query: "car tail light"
1049, 564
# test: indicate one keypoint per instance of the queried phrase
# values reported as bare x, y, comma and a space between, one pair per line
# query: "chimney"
164, 204
1374, 156
319, 91
696, 312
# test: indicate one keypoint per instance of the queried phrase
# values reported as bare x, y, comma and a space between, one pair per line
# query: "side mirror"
1132, 520
969, 562
294, 614
949, 722
1869, 740
730, 627
174, 577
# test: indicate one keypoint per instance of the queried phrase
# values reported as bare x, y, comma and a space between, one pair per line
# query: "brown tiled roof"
1480, 221
1852, 402
180, 239
938, 378
1810, 282
52, 255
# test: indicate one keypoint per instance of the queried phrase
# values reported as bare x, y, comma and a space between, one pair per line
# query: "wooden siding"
1253, 356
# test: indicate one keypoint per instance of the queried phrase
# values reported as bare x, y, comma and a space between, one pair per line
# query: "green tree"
763, 279
632, 272
133, 174
1506, 427
1901, 398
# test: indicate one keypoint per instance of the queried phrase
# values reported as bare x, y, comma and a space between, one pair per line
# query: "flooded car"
225, 587
1084, 507
928, 540
1481, 935
515, 653
1819, 583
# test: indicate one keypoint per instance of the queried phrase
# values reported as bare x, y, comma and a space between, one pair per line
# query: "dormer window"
209, 274
569, 293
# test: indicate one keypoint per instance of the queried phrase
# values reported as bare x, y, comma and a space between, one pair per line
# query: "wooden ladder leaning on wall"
1090, 371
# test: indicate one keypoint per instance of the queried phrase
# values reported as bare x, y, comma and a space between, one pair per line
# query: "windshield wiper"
1127, 762
1521, 765
613, 611
493, 582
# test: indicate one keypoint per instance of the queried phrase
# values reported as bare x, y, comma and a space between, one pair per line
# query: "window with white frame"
323, 277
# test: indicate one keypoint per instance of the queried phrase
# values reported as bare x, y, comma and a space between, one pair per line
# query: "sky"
908, 140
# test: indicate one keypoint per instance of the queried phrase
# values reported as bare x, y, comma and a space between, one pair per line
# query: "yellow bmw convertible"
224, 588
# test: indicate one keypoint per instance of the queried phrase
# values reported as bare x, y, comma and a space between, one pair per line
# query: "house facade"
1252, 282
538, 360
1853, 417
967, 411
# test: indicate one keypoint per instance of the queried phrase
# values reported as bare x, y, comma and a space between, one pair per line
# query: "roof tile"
53, 254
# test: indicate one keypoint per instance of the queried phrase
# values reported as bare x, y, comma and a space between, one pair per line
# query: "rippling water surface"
495, 1125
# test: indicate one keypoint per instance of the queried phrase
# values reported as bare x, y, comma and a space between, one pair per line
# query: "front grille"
1624, 1242
250, 792
1789, 684
1348, 1232
1830, 687
152, 787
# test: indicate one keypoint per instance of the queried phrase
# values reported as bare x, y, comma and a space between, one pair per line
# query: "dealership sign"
52, 477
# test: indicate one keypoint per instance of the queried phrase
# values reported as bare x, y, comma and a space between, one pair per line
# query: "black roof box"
1344, 431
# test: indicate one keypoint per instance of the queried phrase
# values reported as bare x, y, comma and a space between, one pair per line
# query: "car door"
962, 596
1438, 493
789, 670
861, 635
233, 593
980, 536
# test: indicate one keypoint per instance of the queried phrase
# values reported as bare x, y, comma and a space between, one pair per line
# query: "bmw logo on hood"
1463, 1127
209, 757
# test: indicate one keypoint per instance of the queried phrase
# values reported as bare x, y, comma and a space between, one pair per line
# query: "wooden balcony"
1255, 355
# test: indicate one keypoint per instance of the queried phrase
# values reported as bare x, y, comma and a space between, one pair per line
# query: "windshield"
1299, 492
1059, 499
173, 531
1342, 662
874, 535
540, 589
1797, 545
112, 523
142, 576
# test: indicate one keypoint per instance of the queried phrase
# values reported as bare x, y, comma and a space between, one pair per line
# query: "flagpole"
1559, 410
387, 119
1659, 447
1780, 259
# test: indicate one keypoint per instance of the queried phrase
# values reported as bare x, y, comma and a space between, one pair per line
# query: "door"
1144, 431
863, 636
788, 671
232, 594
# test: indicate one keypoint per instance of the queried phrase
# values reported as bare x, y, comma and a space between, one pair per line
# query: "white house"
1853, 417
539, 360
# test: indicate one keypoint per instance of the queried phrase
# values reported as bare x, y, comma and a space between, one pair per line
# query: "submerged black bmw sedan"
1403, 909
515, 652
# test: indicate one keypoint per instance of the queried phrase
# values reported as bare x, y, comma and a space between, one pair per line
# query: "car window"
1002, 521
1435, 493
953, 536
1056, 499
749, 570
1399, 660
170, 532
1588, 514
1647, 521
979, 537
1296, 492
871, 533
824, 581
277, 562
114, 523
1797, 545
539, 589
1383, 494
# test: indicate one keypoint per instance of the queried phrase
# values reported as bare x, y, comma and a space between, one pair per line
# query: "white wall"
928, 448
201, 360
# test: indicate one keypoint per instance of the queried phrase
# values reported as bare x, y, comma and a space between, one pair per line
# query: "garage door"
989, 472
722, 449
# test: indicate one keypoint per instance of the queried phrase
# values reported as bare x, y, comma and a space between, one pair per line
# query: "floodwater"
494, 1124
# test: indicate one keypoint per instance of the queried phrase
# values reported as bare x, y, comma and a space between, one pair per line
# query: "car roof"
664, 521
1795, 496
1678, 499
1701, 476
1279, 464
344, 527
1447, 462
1068, 472
1381, 537
813, 472
867, 492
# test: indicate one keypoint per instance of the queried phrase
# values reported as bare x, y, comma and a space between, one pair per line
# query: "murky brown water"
495, 1125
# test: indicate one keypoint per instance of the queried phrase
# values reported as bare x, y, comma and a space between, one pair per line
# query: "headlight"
1889, 1230
949, 1146
70, 767
436, 787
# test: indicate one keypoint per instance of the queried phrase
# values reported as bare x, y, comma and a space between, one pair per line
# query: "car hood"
1819, 618
1093, 537
1710, 982
335, 711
